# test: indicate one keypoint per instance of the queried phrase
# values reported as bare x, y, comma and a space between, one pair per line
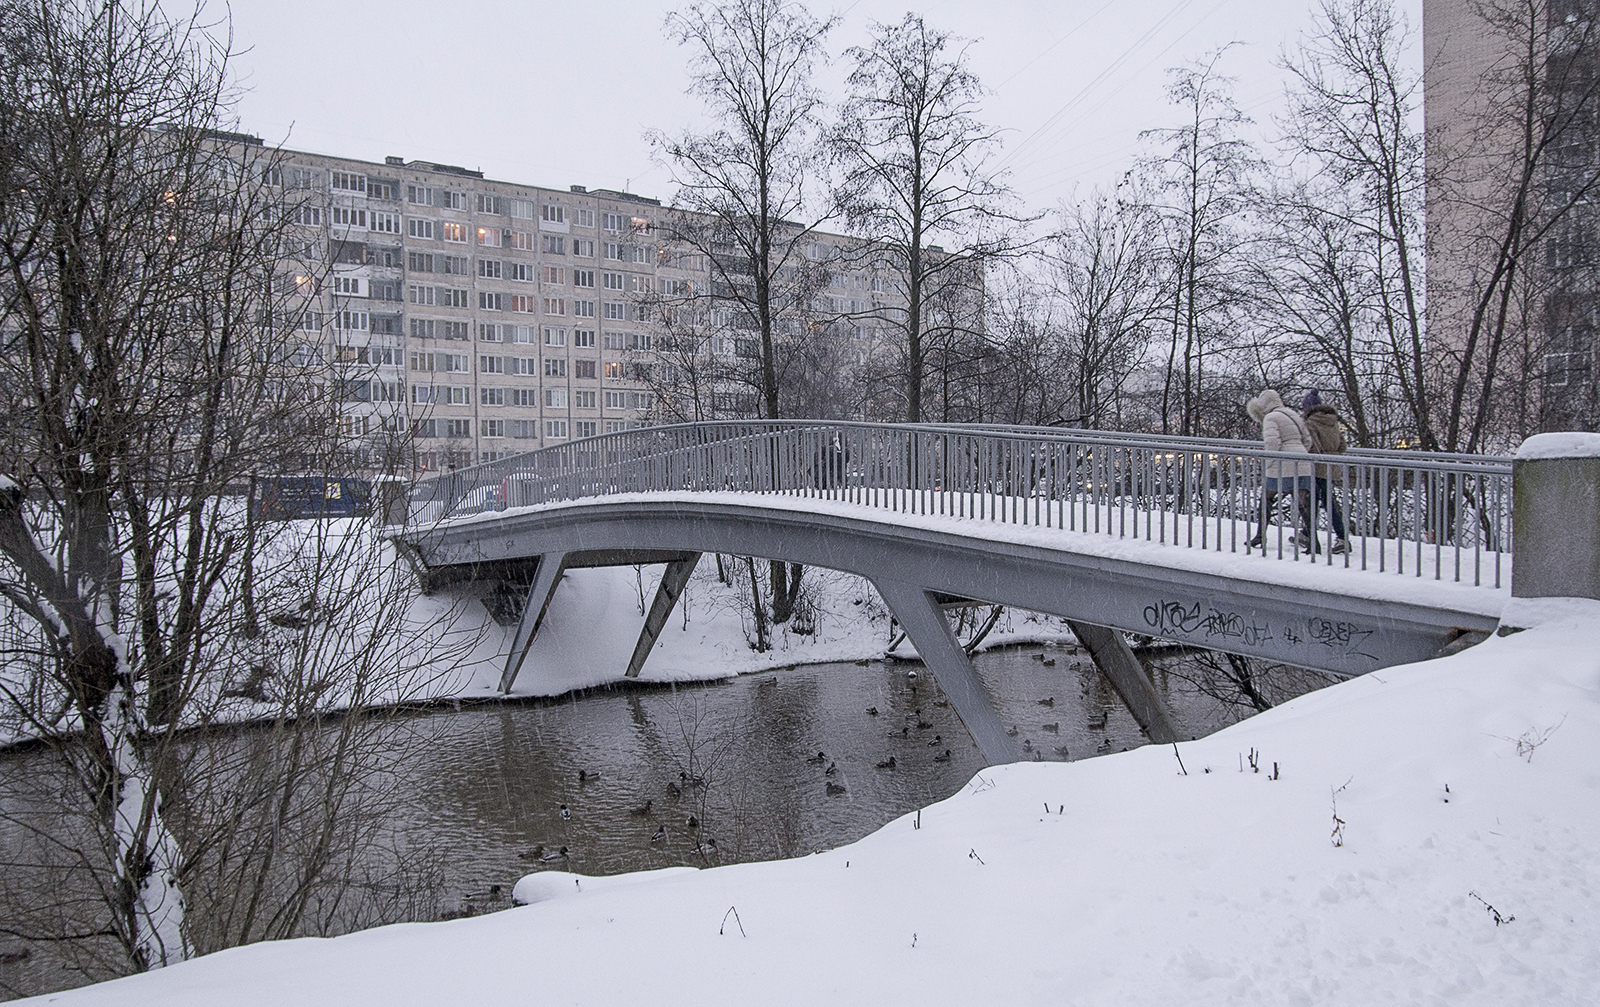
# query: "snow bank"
1568, 444
1424, 834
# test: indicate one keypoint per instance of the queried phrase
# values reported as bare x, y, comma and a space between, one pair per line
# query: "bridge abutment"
1556, 517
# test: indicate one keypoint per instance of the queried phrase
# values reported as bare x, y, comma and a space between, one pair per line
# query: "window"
522, 208
520, 271
455, 265
523, 334
641, 225
583, 247
491, 333
421, 195
350, 321
616, 310
553, 244
345, 216
613, 281
453, 330
522, 302
556, 429
639, 284
458, 428
583, 399
555, 305
453, 232
490, 204
613, 369
583, 217
612, 222
491, 396
583, 309
389, 223
420, 295
421, 328
424, 428
418, 228
419, 262
641, 253
583, 368
382, 190
452, 200
491, 237
525, 429
555, 367
311, 215
522, 240
492, 428
616, 400
583, 428
555, 274
347, 285
490, 268
583, 337
613, 340
555, 398
350, 182
528, 366
555, 337
639, 341
553, 213
615, 426
525, 396
614, 251
583, 277
438, 295
386, 325
491, 365
457, 397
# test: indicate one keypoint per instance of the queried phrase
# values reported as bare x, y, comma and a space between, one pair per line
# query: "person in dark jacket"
1327, 438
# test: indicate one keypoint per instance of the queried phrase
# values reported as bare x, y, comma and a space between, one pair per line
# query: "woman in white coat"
1282, 429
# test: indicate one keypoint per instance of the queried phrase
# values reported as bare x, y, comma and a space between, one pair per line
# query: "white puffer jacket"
1282, 429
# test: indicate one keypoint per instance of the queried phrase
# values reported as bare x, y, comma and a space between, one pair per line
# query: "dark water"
491, 785
697, 775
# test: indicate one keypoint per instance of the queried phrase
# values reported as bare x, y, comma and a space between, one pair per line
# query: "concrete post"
924, 621
1121, 667
545, 579
673, 580
1556, 517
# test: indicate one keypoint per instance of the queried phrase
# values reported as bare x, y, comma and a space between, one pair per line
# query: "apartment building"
485, 318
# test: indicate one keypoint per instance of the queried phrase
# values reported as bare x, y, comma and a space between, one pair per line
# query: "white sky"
556, 94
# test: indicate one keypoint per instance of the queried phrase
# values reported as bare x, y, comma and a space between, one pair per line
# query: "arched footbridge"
1117, 533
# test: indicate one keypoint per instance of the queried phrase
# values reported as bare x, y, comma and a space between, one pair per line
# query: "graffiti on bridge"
1206, 621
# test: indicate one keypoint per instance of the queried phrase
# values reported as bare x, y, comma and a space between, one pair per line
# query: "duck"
1027, 744
835, 789
833, 767
1013, 732
1053, 728
693, 781
584, 776
911, 675
936, 742
1048, 701
942, 758
533, 854
692, 822
566, 814
674, 790
1061, 750
872, 711
643, 809
887, 763
1098, 721
659, 834
818, 759
923, 725
560, 854
1049, 662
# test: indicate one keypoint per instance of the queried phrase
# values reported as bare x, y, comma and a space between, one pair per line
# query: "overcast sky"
557, 94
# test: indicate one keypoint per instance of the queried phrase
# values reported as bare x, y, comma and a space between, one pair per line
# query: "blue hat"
1312, 399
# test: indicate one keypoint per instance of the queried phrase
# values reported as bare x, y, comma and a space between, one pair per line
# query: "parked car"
291, 498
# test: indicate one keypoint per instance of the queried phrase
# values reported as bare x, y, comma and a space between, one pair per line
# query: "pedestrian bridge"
1114, 532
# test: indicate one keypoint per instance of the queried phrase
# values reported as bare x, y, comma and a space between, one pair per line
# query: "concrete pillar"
1556, 517
545, 579
673, 580
918, 612
1121, 667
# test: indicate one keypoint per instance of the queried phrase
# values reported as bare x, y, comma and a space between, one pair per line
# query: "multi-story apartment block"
484, 318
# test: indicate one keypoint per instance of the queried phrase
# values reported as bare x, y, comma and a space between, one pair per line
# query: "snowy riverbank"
1429, 833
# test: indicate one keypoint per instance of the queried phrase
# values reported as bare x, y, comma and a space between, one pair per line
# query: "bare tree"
744, 182
916, 166
1201, 183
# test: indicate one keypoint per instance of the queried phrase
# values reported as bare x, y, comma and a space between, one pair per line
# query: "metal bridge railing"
1444, 517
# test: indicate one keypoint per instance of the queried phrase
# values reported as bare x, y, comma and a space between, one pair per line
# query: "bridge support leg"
1121, 667
545, 579
918, 612
673, 581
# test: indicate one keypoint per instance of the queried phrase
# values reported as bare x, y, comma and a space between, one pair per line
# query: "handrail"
1415, 513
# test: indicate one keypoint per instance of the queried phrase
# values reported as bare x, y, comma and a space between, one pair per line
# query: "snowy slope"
1151, 887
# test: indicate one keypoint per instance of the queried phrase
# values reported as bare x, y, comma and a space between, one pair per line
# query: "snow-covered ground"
1425, 834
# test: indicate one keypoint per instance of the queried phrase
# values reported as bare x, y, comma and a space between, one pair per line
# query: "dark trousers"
1324, 498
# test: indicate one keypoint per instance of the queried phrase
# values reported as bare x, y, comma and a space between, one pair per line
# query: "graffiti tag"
1170, 617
